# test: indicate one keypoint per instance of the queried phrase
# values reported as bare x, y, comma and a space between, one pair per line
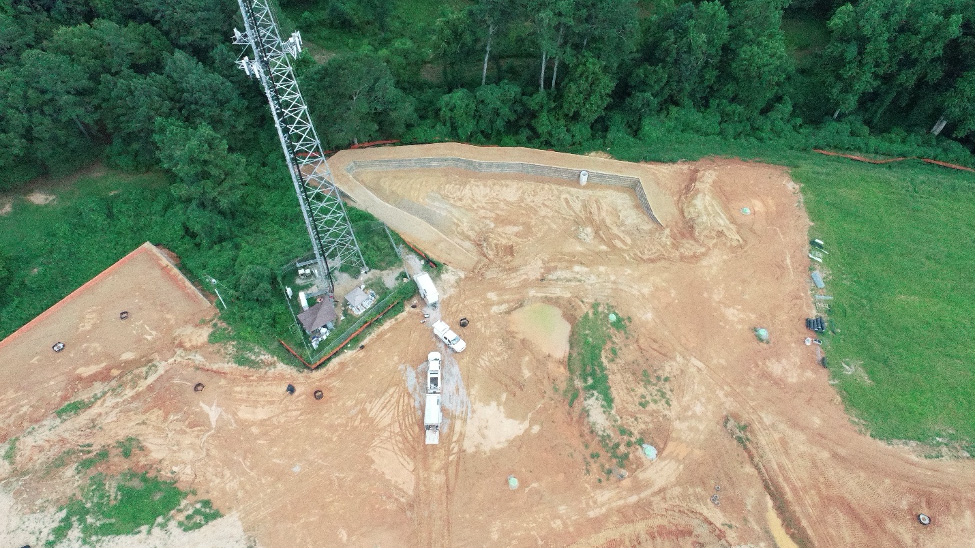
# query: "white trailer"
434, 372
432, 419
425, 286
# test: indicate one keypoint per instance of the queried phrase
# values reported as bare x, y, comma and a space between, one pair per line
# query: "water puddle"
780, 536
544, 326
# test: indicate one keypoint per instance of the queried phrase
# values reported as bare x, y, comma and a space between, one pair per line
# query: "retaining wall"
598, 178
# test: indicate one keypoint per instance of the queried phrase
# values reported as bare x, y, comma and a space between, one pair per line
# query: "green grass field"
122, 506
901, 243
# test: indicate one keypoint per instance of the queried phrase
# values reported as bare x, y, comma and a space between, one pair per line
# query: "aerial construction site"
752, 445
608, 354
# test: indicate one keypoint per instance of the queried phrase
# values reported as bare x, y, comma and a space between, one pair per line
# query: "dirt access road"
528, 256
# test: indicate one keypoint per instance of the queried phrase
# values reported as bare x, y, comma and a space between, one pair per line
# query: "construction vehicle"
448, 336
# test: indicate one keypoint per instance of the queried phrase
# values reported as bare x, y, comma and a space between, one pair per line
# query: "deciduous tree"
203, 96
353, 98
756, 64
457, 114
130, 105
881, 50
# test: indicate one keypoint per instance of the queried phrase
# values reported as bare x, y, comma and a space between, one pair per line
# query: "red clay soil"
98, 344
352, 470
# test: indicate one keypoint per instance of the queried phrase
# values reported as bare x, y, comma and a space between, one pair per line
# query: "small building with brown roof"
322, 314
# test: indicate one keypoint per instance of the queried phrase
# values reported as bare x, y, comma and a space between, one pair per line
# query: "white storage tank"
583, 177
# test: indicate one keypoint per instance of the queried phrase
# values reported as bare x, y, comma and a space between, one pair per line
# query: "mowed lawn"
900, 239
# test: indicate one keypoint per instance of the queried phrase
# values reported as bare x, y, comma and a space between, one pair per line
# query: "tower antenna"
322, 207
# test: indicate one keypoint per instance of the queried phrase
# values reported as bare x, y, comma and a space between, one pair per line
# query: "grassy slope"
902, 257
52, 249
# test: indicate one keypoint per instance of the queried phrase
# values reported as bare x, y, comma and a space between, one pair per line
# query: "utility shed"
322, 314
359, 301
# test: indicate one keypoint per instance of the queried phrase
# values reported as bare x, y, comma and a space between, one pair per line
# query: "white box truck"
434, 372
432, 419
425, 286
444, 332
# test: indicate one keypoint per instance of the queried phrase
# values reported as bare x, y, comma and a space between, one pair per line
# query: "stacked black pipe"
816, 324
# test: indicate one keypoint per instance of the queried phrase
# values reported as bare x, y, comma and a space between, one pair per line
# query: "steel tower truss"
325, 217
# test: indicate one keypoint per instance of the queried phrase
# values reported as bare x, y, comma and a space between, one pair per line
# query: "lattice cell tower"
325, 217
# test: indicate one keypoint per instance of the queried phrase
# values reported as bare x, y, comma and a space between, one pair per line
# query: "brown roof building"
317, 316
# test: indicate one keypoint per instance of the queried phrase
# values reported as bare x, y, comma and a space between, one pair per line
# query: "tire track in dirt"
456, 435
431, 498
408, 429
767, 442
780, 468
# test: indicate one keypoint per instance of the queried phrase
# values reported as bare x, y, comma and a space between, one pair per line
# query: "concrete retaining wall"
569, 174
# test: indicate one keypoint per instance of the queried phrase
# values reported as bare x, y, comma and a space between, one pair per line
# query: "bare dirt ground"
527, 256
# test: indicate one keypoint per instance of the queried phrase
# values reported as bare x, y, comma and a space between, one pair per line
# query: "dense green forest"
150, 89
86, 78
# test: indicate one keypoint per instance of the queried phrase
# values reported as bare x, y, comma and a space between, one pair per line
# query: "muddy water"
544, 326
780, 536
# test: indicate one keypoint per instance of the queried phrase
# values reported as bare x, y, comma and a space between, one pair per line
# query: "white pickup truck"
444, 332
434, 372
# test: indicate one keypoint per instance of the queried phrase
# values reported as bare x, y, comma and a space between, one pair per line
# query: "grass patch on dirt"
87, 463
11, 451
201, 514
585, 362
654, 390
589, 338
119, 506
72, 408
127, 445
126, 504
901, 256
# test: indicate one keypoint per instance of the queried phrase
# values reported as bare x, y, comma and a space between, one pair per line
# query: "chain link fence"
330, 342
